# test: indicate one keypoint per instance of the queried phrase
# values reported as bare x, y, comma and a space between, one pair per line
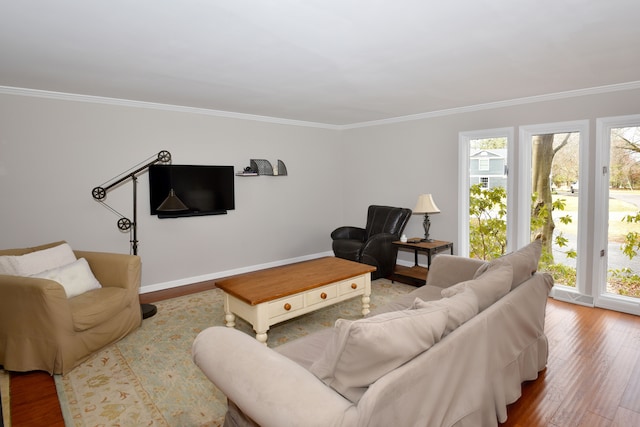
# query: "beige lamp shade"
426, 205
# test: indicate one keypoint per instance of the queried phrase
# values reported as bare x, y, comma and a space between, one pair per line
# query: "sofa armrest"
113, 269
348, 232
267, 386
447, 270
34, 313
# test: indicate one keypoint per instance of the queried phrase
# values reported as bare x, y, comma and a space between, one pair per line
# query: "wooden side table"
417, 275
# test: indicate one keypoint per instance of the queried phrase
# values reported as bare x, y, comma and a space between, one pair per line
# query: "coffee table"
266, 297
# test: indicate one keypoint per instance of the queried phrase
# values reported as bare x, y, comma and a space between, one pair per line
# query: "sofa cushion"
405, 301
461, 308
489, 287
37, 262
524, 262
364, 350
76, 278
97, 306
446, 270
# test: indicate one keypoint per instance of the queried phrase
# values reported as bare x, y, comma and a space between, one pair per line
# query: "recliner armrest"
34, 313
113, 269
348, 232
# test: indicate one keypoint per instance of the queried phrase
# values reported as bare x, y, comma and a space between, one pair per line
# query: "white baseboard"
566, 294
211, 276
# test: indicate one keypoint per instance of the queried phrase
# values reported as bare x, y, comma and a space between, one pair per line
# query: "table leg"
262, 337
366, 295
261, 322
229, 317
230, 320
365, 304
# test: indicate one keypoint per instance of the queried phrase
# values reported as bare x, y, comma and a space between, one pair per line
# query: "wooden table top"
423, 245
277, 282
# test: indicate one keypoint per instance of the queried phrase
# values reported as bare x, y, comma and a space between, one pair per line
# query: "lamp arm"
100, 193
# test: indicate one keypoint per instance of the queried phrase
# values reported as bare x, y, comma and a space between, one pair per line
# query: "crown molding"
8, 90
500, 104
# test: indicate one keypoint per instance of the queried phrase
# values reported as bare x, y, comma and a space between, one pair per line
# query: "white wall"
53, 152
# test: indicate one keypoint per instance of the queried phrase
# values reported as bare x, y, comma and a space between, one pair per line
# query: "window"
617, 256
554, 156
483, 195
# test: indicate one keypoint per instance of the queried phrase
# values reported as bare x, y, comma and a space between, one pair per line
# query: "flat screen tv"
205, 190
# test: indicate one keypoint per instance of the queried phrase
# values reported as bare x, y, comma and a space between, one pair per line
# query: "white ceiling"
335, 62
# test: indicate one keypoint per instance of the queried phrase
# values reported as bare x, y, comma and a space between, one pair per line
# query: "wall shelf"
259, 167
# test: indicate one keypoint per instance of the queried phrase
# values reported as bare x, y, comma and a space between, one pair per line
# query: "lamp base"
427, 240
148, 310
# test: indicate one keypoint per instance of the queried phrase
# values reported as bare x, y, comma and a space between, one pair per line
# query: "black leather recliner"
372, 244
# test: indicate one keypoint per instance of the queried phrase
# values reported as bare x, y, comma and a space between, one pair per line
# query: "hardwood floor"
34, 401
592, 376
593, 373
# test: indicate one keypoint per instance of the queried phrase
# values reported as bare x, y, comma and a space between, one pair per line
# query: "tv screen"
205, 190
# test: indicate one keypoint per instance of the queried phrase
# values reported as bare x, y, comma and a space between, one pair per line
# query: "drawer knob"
287, 306
354, 286
323, 295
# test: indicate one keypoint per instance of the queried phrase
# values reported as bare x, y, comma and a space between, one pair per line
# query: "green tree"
488, 225
543, 152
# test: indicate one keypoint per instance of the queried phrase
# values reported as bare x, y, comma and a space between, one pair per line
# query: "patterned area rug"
148, 378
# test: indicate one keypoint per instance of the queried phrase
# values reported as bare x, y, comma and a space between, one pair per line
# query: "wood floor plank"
608, 395
34, 400
631, 397
626, 418
592, 420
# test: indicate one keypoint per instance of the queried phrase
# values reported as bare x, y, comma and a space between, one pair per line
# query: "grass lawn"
618, 229
622, 283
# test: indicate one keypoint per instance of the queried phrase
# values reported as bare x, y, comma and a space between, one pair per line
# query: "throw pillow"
76, 278
364, 350
8, 265
38, 261
489, 287
524, 262
446, 270
462, 307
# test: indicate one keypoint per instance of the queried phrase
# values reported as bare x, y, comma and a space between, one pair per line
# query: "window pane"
623, 259
487, 198
555, 199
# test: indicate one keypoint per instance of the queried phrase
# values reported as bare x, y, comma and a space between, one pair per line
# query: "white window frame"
582, 293
599, 265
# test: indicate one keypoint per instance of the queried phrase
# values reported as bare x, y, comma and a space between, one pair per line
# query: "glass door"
553, 186
620, 221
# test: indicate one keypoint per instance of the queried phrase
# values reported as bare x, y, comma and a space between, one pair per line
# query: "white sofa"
355, 374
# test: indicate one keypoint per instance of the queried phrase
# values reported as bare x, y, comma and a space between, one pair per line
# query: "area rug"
149, 378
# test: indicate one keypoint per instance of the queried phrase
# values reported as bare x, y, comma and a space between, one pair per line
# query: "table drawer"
286, 305
355, 284
317, 296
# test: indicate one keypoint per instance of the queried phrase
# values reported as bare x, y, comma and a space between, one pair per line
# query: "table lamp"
426, 206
